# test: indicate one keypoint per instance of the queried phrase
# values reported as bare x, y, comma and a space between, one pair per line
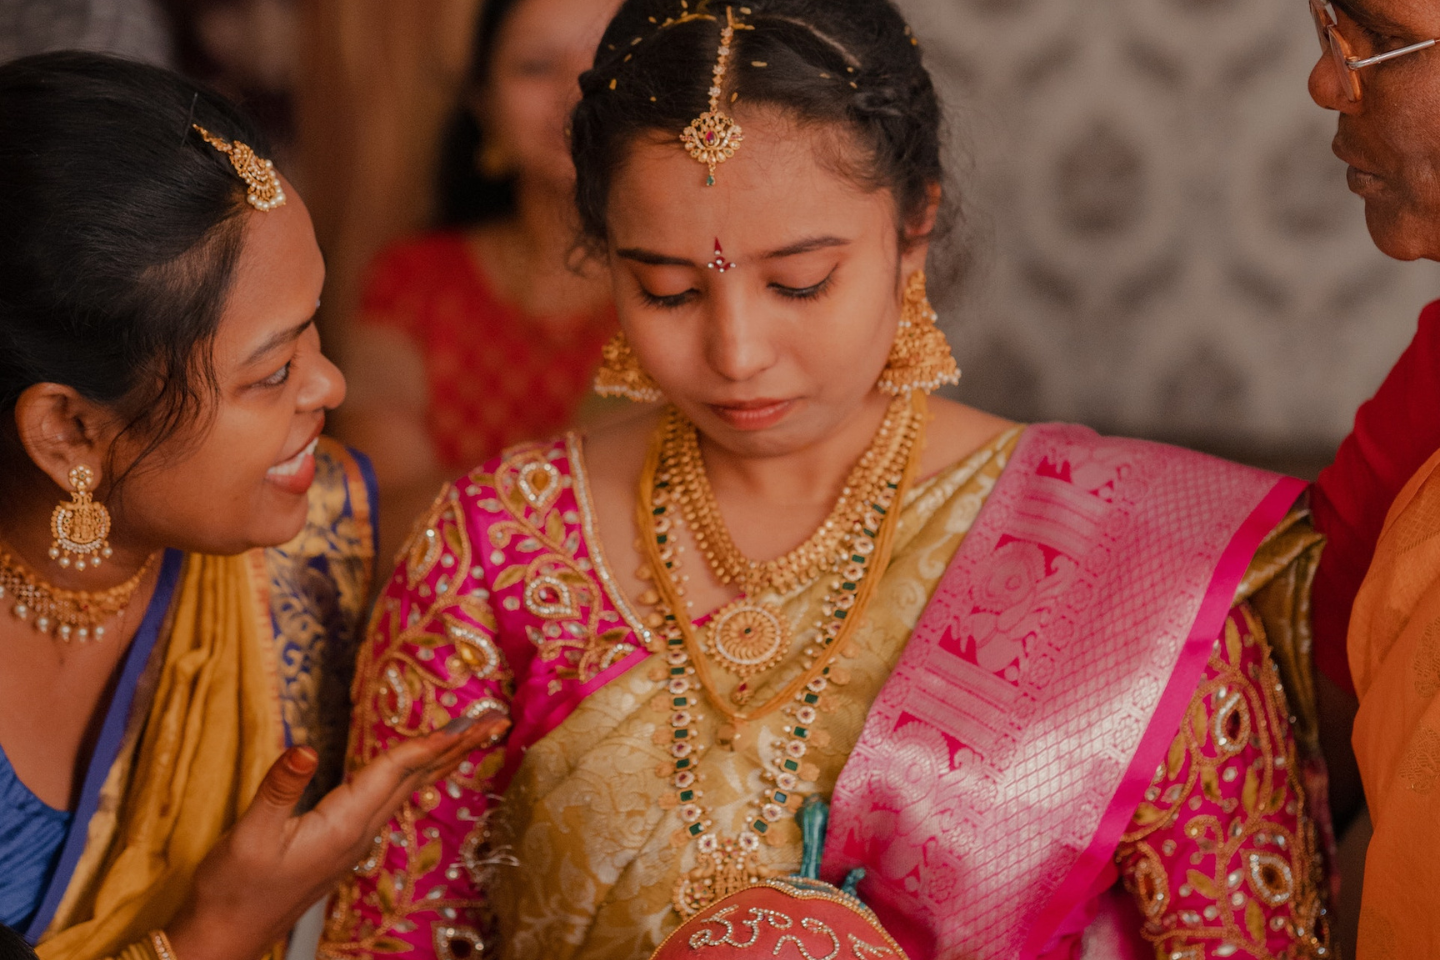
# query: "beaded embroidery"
1219, 855
472, 599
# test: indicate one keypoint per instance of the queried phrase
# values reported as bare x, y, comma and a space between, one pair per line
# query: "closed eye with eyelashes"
674, 301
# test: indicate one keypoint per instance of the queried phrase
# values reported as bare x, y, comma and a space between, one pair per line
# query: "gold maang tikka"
263, 183
713, 137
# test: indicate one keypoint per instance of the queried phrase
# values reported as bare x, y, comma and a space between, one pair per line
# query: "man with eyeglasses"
1380, 71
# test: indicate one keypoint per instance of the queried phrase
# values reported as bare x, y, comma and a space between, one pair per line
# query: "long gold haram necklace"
728, 864
748, 636
68, 614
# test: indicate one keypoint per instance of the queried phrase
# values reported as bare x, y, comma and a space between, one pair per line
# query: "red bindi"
720, 263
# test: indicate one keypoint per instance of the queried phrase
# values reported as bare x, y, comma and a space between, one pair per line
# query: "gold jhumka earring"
81, 526
263, 183
920, 358
713, 137
620, 374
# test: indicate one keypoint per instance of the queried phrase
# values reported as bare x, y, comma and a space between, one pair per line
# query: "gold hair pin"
265, 192
713, 137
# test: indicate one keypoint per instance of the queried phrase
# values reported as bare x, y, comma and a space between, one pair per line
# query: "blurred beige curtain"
375, 85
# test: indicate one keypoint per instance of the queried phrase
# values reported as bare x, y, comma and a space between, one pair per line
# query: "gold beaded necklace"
748, 636
728, 864
67, 614
816, 556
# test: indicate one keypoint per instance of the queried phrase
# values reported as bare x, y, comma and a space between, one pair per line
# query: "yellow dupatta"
1395, 658
211, 731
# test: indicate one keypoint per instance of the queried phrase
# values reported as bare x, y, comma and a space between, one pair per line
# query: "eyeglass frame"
1332, 41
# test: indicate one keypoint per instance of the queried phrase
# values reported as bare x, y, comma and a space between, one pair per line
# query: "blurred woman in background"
487, 331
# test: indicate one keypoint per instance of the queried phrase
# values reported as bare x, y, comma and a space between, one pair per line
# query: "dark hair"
13, 946
465, 194
120, 236
852, 63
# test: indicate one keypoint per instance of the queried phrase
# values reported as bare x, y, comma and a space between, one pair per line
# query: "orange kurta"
1394, 647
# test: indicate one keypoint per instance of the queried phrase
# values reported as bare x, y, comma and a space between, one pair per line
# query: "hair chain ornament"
713, 137
162, 946
263, 183
67, 614
720, 263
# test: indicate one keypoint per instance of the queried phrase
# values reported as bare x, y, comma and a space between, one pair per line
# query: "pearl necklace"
69, 614
728, 864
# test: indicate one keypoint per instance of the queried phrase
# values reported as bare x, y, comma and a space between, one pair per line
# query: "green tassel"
814, 817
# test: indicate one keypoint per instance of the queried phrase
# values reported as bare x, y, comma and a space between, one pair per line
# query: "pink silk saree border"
1079, 886
1191, 520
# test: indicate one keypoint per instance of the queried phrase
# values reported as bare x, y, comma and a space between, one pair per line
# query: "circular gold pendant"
747, 638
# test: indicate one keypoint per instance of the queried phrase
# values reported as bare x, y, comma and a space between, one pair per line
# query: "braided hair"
852, 64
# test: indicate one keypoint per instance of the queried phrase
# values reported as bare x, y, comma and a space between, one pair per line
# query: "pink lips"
753, 415
297, 472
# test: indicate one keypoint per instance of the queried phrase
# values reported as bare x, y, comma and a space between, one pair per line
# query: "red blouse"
1395, 432
496, 377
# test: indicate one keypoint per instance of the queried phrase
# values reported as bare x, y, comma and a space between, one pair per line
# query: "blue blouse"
31, 833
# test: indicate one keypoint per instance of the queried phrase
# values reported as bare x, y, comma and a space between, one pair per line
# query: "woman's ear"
60, 429
918, 230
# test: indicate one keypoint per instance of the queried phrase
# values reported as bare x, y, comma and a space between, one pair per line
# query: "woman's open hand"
272, 865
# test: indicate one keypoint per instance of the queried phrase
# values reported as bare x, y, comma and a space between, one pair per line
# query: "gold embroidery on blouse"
1257, 863
559, 586
449, 936
412, 697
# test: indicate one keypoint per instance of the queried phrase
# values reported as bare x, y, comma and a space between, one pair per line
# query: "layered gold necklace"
67, 614
748, 636
860, 532
817, 555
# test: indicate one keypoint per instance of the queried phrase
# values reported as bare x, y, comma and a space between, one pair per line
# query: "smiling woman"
1032, 667
170, 677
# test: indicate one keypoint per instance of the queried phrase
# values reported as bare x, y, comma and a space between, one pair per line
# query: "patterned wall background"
1165, 245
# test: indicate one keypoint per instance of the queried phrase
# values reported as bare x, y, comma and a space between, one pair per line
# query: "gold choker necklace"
880, 464
67, 614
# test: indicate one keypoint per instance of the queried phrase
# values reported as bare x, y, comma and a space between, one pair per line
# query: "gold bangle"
161, 943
